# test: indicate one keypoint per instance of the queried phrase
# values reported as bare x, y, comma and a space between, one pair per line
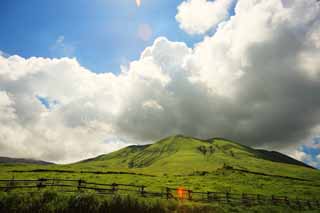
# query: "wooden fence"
77, 186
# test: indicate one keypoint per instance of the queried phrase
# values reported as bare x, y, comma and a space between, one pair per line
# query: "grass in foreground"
49, 201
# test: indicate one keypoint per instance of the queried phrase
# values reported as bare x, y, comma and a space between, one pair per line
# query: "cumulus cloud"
72, 129
199, 16
299, 155
313, 161
312, 150
254, 81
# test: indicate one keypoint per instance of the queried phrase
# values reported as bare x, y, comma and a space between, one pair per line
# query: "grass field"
212, 165
57, 202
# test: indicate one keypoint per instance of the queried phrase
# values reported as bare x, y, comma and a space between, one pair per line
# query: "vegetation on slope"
199, 165
184, 155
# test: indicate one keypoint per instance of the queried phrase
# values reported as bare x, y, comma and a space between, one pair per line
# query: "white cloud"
6, 110
74, 129
313, 161
249, 82
301, 156
152, 104
3, 54
199, 16
307, 152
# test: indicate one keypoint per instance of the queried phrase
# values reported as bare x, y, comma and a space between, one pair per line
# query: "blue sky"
312, 152
101, 34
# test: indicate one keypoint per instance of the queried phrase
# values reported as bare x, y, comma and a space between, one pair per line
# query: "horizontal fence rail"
78, 186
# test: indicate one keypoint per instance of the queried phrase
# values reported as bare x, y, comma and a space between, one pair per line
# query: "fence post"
10, 184
309, 204
215, 196
259, 199
40, 183
244, 201
298, 203
287, 201
228, 197
273, 199
208, 196
189, 194
167, 193
79, 184
142, 190
114, 187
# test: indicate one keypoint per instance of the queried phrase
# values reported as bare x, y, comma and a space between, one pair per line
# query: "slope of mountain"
201, 165
23, 161
185, 155
279, 157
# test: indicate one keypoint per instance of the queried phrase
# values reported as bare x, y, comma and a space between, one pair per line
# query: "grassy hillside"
201, 165
184, 156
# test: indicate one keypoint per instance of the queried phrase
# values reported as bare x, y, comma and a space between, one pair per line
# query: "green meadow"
217, 165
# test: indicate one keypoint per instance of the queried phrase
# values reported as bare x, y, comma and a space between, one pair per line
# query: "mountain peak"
183, 154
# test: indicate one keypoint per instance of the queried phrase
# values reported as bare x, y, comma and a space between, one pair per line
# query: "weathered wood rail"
78, 186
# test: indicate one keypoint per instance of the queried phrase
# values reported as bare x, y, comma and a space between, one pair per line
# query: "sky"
83, 78
101, 34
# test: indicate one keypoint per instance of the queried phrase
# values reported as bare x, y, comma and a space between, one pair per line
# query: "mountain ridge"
189, 153
143, 156
23, 161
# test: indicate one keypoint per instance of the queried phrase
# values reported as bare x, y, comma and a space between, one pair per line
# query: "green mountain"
201, 165
6, 160
185, 155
